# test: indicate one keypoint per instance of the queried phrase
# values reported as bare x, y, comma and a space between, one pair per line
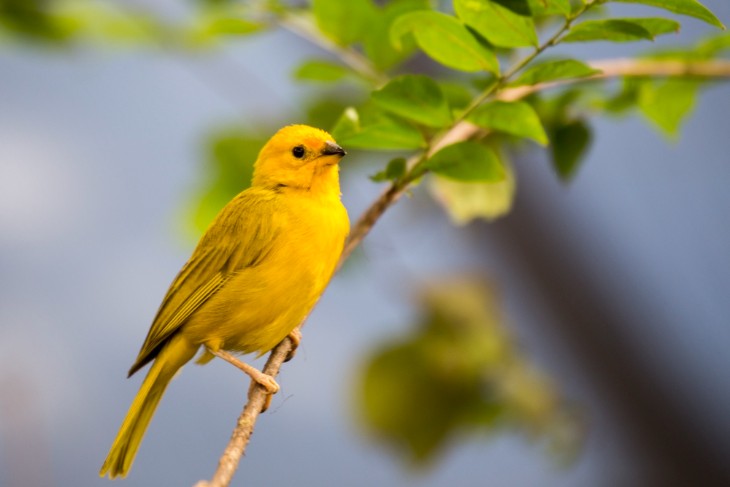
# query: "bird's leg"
265, 380
296, 338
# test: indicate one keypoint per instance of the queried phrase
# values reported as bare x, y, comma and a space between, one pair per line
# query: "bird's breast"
261, 304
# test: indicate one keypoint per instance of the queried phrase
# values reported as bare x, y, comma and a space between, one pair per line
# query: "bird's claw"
296, 338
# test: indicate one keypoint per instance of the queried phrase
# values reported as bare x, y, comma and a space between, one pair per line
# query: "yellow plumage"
256, 273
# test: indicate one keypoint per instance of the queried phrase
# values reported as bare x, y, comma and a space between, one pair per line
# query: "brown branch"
662, 67
461, 131
368, 219
231, 456
635, 68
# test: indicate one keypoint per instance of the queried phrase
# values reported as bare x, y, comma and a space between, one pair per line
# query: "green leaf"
319, 70
467, 161
347, 125
569, 144
620, 30
497, 24
713, 45
624, 100
387, 134
691, 8
415, 97
395, 170
444, 39
34, 20
465, 202
458, 96
668, 103
376, 38
709, 47
324, 109
94, 22
554, 70
228, 25
343, 22
541, 8
607, 30
520, 7
228, 167
657, 26
516, 118
376, 131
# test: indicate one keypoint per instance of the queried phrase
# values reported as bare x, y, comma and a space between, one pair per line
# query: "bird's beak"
331, 149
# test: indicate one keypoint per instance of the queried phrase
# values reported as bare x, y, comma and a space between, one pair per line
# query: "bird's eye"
298, 151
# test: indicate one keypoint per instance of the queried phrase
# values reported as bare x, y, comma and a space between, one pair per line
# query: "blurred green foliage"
466, 201
229, 167
457, 374
32, 19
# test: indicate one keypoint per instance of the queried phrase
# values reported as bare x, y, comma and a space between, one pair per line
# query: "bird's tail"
121, 455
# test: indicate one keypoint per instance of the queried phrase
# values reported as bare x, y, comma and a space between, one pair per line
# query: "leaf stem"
552, 41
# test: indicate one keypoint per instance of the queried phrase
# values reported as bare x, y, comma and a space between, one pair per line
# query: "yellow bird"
256, 273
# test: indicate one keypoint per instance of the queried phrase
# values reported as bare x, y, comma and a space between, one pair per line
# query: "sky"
99, 151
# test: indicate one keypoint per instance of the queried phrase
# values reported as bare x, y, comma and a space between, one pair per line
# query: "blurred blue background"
618, 285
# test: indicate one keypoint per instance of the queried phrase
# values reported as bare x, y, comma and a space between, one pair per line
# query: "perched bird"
252, 279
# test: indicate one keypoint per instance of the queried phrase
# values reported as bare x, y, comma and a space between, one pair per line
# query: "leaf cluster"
421, 72
471, 80
457, 373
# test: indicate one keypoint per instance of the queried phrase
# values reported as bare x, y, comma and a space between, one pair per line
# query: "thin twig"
634, 68
463, 130
304, 27
257, 395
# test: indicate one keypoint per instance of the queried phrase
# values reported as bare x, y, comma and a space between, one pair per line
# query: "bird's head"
299, 156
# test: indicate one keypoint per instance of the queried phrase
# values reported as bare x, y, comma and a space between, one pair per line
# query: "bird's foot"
264, 380
296, 338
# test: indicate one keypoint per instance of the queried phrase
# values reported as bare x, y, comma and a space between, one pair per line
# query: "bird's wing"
240, 237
